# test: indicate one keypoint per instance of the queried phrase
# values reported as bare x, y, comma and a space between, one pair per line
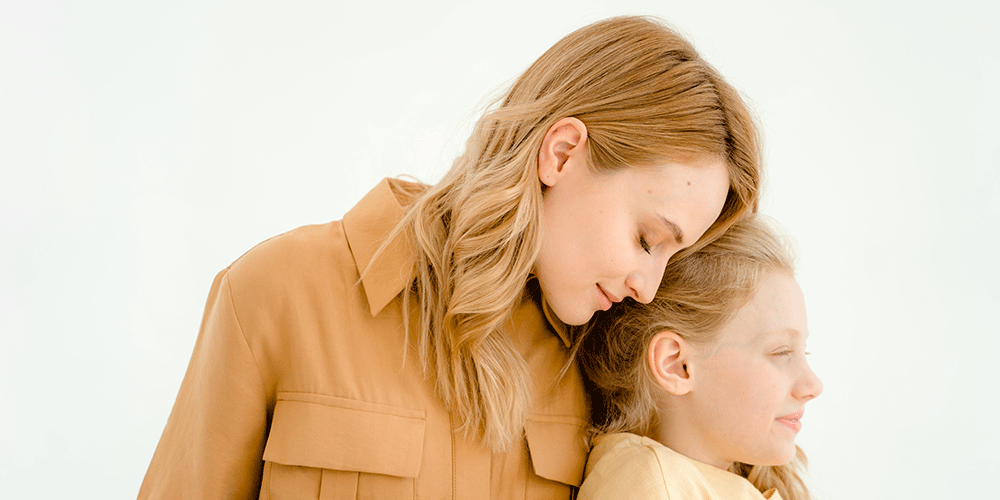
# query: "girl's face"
750, 386
607, 236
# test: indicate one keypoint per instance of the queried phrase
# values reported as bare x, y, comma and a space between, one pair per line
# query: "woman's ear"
564, 145
668, 357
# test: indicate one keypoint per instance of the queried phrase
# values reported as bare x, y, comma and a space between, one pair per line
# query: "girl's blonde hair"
644, 95
697, 297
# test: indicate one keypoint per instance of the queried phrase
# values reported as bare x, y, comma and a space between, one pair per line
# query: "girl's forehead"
776, 311
745, 330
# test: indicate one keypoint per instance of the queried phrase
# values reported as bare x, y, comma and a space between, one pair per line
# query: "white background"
144, 146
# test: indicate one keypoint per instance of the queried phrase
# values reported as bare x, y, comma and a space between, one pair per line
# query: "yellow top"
302, 384
625, 465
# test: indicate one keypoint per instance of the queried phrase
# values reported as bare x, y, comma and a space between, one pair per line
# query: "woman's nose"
643, 283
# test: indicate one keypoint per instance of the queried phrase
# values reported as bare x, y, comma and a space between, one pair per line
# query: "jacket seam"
351, 409
243, 336
660, 468
454, 459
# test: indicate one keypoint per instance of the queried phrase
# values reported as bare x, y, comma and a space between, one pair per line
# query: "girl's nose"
810, 386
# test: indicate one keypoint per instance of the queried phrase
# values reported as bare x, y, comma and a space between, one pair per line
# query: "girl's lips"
604, 299
793, 421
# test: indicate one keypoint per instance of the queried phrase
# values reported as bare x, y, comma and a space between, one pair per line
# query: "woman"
418, 348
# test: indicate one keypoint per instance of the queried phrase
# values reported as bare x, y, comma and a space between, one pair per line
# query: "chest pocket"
558, 452
324, 447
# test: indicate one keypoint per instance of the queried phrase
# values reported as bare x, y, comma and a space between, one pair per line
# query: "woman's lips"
793, 421
604, 299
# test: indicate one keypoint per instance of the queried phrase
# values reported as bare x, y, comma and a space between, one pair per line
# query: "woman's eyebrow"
674, 228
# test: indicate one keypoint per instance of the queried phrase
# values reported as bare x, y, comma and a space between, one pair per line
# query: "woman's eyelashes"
644, 244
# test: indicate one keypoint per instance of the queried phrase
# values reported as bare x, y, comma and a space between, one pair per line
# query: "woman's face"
607, 236
750, 386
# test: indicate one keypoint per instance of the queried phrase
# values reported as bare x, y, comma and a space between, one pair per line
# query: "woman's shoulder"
309, 242
325, 251
302, 254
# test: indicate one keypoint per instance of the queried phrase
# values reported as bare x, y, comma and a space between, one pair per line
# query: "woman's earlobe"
564, 142
669, 355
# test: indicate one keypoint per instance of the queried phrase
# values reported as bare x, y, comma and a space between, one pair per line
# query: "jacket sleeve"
214, 439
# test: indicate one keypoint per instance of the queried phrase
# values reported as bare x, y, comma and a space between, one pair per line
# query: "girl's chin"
779, 457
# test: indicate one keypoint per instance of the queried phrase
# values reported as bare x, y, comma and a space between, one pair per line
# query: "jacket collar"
561, 329
367, 226
370, 223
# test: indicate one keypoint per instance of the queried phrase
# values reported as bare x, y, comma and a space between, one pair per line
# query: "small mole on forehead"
689, 183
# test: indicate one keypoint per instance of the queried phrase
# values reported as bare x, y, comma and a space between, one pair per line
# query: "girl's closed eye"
783, 352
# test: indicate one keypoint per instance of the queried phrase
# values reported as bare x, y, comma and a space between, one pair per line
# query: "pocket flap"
328, 432
558, 447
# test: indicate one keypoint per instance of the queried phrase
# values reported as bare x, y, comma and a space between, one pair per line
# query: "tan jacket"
625, 465
301, 386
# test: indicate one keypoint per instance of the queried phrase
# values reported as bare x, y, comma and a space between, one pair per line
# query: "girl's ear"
563, 145
668, 357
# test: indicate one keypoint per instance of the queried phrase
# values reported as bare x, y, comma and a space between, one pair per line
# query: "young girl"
414, 348
703, 389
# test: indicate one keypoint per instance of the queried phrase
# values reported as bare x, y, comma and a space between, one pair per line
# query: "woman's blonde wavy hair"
645, 95
697, 297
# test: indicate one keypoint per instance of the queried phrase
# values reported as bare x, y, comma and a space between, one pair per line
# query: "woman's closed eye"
644, 244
